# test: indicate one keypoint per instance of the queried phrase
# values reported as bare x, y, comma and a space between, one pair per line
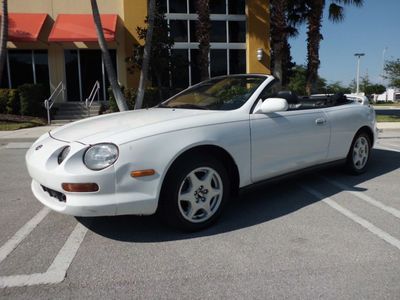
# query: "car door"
287, 141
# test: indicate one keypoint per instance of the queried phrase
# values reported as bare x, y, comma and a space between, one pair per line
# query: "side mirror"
271, 105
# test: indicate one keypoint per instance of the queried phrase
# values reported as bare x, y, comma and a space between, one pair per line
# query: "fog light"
80, 187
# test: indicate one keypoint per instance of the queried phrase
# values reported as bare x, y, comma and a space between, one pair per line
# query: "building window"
25, 66
179, 30
218, 62
82, 69
237, 61
227, 37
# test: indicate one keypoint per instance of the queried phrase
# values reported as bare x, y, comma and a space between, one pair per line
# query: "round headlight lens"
100, 156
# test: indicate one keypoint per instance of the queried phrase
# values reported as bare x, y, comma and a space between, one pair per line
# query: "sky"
368, 30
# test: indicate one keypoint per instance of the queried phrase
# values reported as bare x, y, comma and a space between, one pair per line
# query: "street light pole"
358, 55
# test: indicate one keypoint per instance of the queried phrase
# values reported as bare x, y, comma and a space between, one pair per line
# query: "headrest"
338, 98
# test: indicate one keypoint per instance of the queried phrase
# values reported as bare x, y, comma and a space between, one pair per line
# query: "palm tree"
203, 26
278, 36
146, 55
314, 15
3, 37
112, 76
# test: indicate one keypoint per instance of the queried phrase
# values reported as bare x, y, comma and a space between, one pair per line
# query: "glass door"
82, 69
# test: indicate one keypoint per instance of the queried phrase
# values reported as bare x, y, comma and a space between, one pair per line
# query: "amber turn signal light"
80, 187
143, 173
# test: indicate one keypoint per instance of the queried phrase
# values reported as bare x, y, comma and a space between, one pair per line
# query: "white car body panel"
261, 145
278, 143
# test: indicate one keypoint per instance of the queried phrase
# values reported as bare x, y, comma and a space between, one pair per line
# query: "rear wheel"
359, 154
194, 193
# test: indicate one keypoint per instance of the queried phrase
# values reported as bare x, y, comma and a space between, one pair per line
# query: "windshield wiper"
163, 106
188, 105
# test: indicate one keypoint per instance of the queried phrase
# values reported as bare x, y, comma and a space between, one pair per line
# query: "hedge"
26, 100
9, 102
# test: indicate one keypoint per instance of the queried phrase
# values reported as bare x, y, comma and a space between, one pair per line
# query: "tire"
194, 193
359, 154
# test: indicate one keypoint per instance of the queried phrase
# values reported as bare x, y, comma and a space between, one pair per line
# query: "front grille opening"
58, 195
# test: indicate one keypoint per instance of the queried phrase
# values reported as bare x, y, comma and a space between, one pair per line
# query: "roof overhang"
25, 27
81, 28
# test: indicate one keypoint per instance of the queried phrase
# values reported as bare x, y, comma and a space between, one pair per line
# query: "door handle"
320, 121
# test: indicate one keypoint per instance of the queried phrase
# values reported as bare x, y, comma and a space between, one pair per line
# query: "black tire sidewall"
169, 207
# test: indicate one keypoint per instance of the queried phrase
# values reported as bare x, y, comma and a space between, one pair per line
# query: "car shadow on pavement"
254, 206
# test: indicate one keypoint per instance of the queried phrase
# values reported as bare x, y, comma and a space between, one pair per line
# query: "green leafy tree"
3, 36
337, 87
367, 87
392, 72
298, 81
203, 27
161, 60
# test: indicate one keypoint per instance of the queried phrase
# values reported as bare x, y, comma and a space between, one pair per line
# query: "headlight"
100, 156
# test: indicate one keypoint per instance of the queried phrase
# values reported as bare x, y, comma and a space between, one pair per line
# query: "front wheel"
359, 154
194, 193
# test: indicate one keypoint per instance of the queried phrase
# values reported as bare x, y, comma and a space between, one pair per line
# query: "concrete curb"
388, 125
24, 135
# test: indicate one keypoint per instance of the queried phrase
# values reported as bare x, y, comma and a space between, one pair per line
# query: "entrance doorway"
82, 69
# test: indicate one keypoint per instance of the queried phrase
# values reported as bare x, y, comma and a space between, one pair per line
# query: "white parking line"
393, 211
57, 270
21, 234
390, 145
352, 216
18, 145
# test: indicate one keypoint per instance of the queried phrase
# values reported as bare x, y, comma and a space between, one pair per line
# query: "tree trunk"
313, 42
278, 37
203, 27
159, 85
146, 56
3, 37
112, 76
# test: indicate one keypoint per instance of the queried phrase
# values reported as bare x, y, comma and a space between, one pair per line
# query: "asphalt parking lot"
321, 235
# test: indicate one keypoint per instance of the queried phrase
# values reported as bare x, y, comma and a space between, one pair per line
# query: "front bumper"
111, 199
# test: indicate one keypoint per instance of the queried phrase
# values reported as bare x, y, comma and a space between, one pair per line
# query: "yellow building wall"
257, 36
135, 13
132, 14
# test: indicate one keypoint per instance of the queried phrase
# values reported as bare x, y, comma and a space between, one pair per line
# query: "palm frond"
357, 3
336, 13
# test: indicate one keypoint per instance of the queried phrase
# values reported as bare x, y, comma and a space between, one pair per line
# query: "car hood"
139, 123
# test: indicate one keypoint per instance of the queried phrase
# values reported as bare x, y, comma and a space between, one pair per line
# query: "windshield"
223, 93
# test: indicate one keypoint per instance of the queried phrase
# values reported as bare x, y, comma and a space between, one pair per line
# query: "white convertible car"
189, 155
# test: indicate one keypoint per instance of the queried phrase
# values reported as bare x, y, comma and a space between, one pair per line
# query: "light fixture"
260, 54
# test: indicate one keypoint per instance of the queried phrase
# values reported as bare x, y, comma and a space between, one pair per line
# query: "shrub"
3, 100
13, 102
32, 97
9, 102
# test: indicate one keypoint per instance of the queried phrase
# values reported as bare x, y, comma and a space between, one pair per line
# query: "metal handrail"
92, 96
49, 102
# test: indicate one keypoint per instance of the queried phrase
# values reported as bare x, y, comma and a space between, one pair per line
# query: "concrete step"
75, 111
